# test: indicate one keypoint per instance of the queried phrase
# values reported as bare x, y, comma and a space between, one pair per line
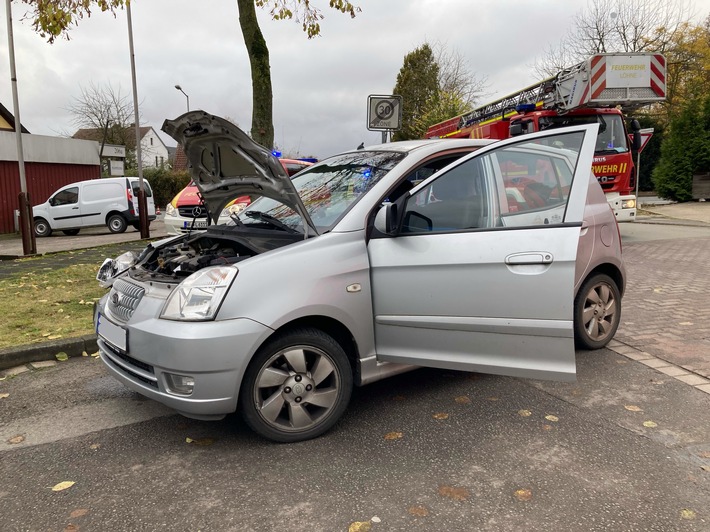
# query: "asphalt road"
467, 452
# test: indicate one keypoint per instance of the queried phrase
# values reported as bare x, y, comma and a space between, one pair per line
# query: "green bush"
165, 184
685, 151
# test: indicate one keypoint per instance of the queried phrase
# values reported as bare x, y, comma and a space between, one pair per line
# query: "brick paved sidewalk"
666, 306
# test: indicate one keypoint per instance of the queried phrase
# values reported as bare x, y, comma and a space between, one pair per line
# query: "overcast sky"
320, 86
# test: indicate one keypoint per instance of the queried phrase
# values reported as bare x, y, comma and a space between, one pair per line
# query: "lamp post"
178, 87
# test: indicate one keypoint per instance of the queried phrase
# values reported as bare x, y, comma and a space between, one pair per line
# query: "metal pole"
142, 203
29, 244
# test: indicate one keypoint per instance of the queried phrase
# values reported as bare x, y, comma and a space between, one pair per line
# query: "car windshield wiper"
262, 216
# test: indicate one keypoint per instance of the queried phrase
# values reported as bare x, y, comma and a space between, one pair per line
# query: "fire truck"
598, 90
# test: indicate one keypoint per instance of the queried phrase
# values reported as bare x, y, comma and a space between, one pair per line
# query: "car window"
67, 196
522, 184
135, 185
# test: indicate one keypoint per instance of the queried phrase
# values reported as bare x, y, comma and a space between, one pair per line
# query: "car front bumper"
179, 225
214, 354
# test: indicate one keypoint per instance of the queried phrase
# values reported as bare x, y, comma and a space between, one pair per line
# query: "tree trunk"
262, 120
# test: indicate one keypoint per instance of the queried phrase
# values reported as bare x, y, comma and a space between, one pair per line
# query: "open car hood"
226, 163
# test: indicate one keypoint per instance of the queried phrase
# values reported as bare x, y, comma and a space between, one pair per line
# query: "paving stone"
11, 372
43, 364
693, 380
703, 388
673, 371
638, 355
655, 363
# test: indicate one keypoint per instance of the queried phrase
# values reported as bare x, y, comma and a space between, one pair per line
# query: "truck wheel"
597, 312
116, 223
296, 386
42, 228
70, 232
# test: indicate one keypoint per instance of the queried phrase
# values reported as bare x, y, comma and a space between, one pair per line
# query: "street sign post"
384, 113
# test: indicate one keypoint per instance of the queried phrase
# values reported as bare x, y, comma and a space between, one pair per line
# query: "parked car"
112, 202
187, 213
366, 265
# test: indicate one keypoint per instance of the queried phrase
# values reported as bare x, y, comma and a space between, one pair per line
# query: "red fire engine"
594, 91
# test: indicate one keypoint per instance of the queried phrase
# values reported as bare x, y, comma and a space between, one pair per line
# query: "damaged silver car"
471, 255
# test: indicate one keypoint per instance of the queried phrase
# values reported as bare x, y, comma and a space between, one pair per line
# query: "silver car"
471, 255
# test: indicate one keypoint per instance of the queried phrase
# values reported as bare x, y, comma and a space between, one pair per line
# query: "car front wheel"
296, 387
597, 312
42, 227
116, 223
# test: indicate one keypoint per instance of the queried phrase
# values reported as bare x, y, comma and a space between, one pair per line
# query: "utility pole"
29, 244
142, 203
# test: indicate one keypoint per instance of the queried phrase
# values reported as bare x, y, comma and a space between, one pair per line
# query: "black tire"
70, 232
42, 227
597, 312
306, 382
116, 223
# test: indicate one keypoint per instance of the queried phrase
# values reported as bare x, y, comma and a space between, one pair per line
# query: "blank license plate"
113, 334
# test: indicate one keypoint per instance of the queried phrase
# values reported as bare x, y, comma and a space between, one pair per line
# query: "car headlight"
199, 296
112, 267
170, 210
234, 209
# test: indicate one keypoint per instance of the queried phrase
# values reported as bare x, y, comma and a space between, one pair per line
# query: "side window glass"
458, 200
422, 173
534, 179
67, 196
136, 186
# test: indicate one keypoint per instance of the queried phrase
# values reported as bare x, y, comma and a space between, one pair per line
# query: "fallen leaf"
686, 323
418, 511
650, 424
60, 310
687, 514
457, 494
440, 415
552, 418
657, 290
84, 354
493, 399
80, 512
71, 528
705, 468
547, 427
393, 435
44, 335
463, 400
524, 413
54, 336
16, 439
62, 357
63, 485
81, 302
4, 395
203, 442
375, 519
360, 526
523, 494
633, 408
704, 454
95, 446
95, 355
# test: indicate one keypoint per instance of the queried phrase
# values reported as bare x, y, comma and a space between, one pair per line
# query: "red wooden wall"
42, 180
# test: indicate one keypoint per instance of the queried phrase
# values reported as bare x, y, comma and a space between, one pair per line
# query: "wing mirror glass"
386, 219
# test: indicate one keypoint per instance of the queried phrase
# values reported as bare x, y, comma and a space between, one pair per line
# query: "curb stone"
24, 354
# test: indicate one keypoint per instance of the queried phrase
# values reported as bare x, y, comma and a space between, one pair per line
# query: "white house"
154, 153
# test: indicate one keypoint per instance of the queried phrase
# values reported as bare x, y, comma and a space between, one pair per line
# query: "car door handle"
75, 208
530, 257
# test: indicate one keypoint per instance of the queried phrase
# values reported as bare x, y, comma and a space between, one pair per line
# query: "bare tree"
455, 77
607, 26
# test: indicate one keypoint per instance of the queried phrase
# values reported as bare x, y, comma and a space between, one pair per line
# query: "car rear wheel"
597, 312
70, 232
296, 387
42, 227
116, 223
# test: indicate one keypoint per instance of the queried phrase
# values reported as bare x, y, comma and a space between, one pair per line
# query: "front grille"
188, 212
141, 378
123, 299
110, 353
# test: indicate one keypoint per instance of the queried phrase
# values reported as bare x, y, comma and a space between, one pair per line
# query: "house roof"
10, 118
97, 133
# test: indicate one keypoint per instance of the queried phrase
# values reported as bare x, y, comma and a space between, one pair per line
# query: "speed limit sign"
384, 112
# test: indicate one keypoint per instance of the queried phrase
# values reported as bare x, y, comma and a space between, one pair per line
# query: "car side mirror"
52, 202
636, 141
386, 219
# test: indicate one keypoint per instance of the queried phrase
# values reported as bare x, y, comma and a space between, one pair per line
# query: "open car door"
478, 273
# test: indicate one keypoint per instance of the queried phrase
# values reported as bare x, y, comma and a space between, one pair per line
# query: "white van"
111, 201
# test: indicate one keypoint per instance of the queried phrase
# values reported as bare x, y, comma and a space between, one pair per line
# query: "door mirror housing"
386, 219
